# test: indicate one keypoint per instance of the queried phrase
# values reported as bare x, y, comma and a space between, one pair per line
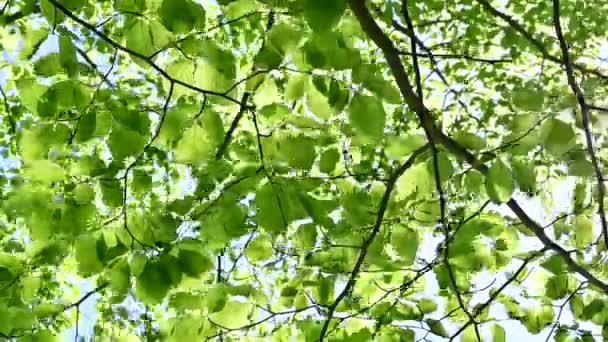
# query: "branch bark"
391, 55
580, 98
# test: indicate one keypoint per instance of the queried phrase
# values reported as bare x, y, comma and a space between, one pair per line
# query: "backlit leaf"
499, 182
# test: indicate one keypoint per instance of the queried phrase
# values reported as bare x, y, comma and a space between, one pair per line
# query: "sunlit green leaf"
367, 115
499, 182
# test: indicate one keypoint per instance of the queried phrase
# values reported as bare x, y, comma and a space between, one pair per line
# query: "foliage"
303, 170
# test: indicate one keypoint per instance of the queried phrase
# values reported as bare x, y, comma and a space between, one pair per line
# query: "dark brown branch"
535, 42
409, 33
442, 196
85, 297
137, 159
413, 44
233, 126
9, 19
93, 65
580, 98
11, 121
392, 56
597, 108
365, 245
271, 315
461, 56
561, 310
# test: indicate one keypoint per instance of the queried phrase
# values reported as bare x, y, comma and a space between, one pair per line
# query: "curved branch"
535, 42
391, 54
364, 247
145, 58
580, 98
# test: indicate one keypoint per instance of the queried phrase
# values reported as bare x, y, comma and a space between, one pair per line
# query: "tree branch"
580, 98
145, 58
459, 56
535, 42
392, 57
233, 126
364, 247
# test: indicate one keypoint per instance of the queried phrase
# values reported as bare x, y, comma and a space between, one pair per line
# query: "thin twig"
365, 245
145, 58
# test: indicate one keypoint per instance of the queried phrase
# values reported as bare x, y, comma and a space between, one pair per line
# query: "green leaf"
535, 319
329, 159
233, 316
269, 208
321, 15
193, 262
134, 6
181, 16
62, 98
87, 125
259, 249
120, 278
498, 333
554, 264
48, 65
201, 141
437, 327
32, 40
86, 256
405, 242
531, 98
44, 171
470, 140
417, 180
583, 231
558, 286
53, 15
124, 142
524, 174
30, 91
427, 305
581, 168
84, 193
366, 114
299, 151
145, 37
499, 182
402, 146
558, 136
216, 298
67, 55
295, 87
152, 284
111, 193
469, 335
318, 103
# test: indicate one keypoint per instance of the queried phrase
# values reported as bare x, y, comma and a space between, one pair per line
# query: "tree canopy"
303, 170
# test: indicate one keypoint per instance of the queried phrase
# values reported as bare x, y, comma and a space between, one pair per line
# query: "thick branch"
392, 57
580, 98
